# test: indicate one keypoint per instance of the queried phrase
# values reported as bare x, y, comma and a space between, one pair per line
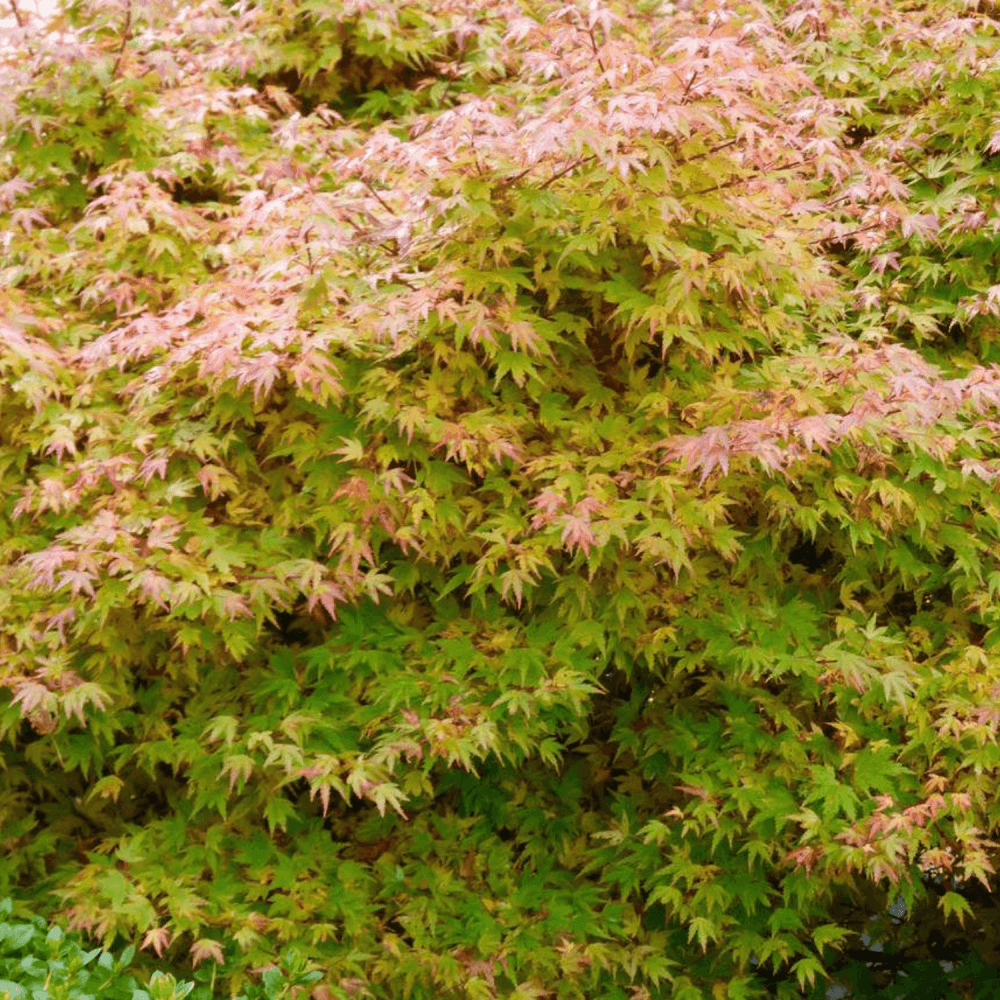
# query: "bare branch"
126, 38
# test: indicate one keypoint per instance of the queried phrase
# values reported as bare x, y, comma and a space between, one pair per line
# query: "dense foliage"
41, 961
501, 497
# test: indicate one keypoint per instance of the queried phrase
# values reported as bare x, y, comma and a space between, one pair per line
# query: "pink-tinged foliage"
205, 949
157, 938
502, 497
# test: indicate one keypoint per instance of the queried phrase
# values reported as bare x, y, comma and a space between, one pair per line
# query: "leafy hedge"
42, 963
39, 962
492, 497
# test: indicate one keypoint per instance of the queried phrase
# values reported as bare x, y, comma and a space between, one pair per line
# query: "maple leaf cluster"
501, 498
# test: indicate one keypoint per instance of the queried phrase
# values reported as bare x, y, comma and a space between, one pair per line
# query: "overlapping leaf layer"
501, 496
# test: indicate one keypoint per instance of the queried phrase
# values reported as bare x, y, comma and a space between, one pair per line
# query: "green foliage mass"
500, 499
38, 962
42, 963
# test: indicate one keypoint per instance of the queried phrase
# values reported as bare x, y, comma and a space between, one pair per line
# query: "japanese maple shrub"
490, 496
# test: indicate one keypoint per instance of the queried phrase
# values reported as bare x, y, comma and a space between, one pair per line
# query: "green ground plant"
494, 498
39, 962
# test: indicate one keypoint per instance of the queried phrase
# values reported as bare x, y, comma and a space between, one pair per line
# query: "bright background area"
25, 6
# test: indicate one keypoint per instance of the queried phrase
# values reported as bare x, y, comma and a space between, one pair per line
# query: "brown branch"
309, 256
593, 45
740, 180
709, 152
920, 173
22, 23
843, 237
378, 197
566, 170
687, 86
126, 38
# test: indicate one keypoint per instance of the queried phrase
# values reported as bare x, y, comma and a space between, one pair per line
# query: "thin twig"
309, 256
378, 197
687, 86
22, 23
920, 173
740, 180
842, 238
566, 170
126, 38
593, 45
514, 178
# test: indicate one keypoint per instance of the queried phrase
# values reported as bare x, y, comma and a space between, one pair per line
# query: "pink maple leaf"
158, 938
